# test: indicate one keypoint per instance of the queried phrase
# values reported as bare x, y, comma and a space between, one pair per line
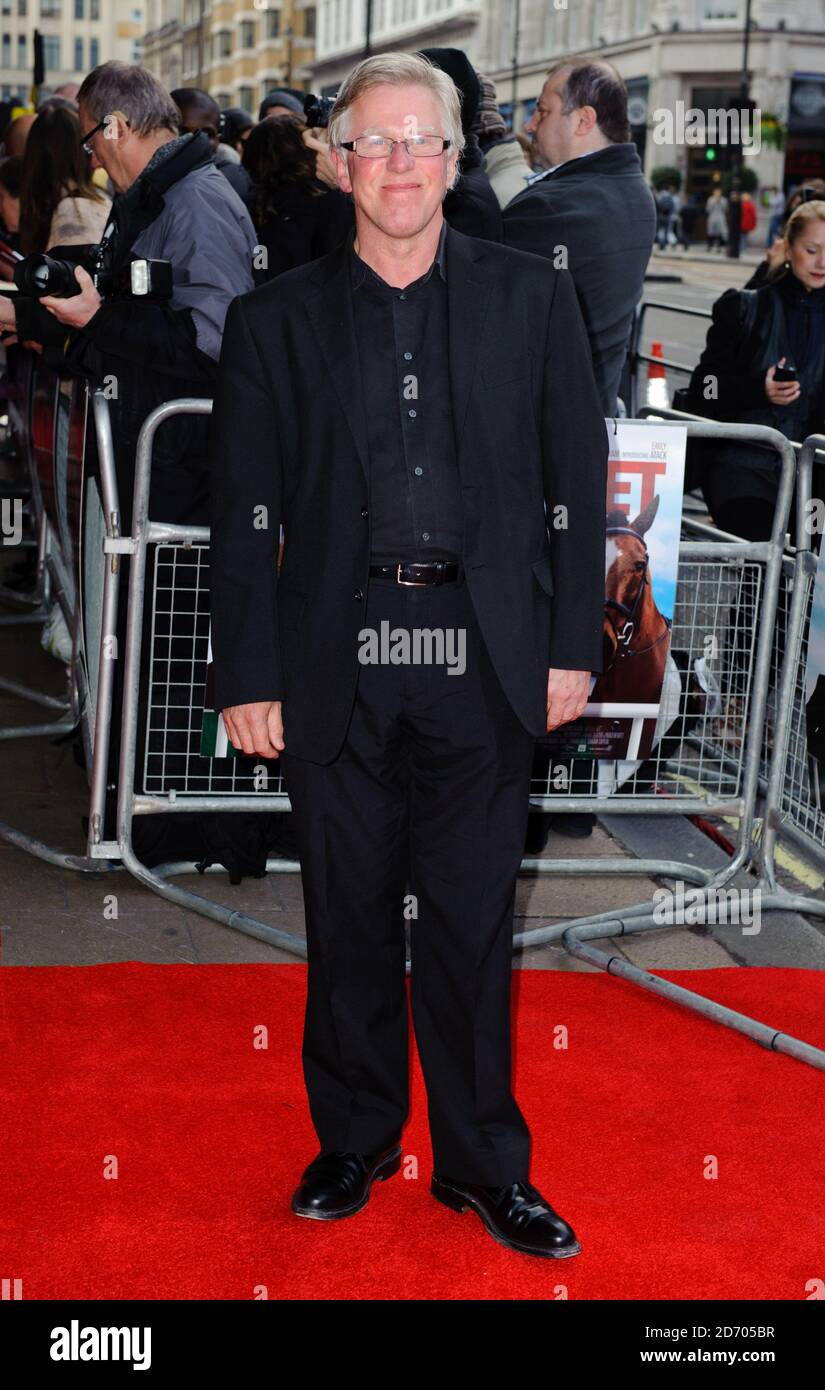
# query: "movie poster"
645, 480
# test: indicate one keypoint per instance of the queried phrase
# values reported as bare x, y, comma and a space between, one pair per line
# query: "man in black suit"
418, 410
591, 204
593, 212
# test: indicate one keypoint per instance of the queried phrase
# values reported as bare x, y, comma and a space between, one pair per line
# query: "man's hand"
256, 728
77, 311
566, 696
324, 167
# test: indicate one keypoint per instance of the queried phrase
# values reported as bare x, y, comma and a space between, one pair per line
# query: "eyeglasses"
86, 140
381, 147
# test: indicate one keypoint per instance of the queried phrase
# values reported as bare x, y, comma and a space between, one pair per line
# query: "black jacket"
787, 321
601, 210
751, 329
289, 446
472, 206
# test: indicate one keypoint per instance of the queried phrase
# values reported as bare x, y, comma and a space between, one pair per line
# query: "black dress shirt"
415, 491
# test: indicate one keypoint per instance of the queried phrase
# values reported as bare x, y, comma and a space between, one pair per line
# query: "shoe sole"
461, 1202
385, 1169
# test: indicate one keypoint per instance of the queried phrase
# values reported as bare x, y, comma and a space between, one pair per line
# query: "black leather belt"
418, 575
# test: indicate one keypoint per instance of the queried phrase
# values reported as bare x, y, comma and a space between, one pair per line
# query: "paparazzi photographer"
172, 206
142, 316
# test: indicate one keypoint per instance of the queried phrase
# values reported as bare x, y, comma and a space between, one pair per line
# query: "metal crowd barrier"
639, 359
89, 705
726, 586
766, 758
53, 582
794, 798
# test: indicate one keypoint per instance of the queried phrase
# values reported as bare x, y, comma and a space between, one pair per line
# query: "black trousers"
432, 781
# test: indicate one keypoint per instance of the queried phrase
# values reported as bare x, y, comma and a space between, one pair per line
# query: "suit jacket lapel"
469, 283
331, 313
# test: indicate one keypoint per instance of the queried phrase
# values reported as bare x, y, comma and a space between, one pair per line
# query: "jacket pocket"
544, 573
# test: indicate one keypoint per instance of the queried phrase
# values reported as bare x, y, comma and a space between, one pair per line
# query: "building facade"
674, 55
77, 35
238, 50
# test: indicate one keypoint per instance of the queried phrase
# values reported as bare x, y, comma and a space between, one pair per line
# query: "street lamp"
735, 203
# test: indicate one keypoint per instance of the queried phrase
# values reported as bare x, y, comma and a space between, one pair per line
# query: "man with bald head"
591, 211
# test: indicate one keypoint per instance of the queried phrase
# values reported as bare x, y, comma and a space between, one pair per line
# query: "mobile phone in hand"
785, 374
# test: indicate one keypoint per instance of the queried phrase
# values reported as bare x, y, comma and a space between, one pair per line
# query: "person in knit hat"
282, 102
504, 161
471, 207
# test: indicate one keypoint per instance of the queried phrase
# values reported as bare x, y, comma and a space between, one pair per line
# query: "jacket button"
364, 512
359, 594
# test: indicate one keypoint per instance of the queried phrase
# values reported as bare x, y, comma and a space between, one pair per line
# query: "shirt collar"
542, 173
359, 270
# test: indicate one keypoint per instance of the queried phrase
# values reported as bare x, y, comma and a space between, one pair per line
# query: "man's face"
553, 131
192, 121
400, 194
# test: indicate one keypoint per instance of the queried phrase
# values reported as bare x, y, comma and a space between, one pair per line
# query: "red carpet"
154, 1067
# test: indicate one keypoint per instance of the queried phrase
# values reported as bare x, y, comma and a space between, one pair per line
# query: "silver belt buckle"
409, 583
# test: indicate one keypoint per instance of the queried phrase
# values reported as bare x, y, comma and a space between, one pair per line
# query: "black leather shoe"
338, 1184
516, 1216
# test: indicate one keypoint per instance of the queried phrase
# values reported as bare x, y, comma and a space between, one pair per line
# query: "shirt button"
358, 595
411, 414
402, 296
364, 512
408, 357
418, 472
425, 535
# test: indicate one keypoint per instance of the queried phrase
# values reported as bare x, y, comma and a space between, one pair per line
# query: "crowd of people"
233, 203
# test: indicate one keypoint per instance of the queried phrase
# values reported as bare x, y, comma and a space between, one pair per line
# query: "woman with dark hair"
59, 203
755, 333
297, 217
11, 172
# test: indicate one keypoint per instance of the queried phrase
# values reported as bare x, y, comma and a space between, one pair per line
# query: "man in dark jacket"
172, 205
592, 210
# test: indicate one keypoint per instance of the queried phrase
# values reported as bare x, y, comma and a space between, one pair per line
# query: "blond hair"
397, 70
813, 211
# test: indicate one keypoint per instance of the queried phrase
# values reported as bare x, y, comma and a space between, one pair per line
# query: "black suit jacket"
600, 208
289, 445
